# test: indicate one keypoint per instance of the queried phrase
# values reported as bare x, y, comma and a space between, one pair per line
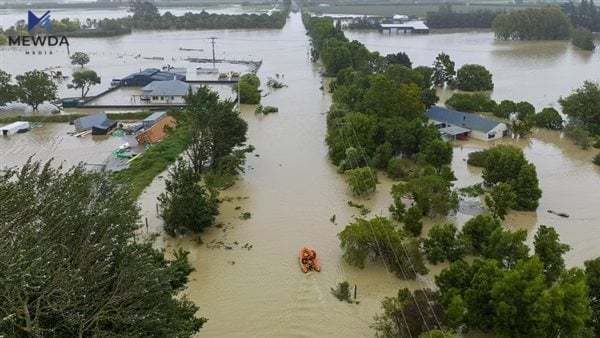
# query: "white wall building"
165, 92
461, 125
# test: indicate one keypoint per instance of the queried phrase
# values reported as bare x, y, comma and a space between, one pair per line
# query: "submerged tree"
473, 78
216, 132
409, 315
443, 70
362, 181
84, 80
71, 266
8, 92
36, 87
80, 59
378, 238
186, 204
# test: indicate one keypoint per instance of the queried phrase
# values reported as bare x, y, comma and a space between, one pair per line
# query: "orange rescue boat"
308, 260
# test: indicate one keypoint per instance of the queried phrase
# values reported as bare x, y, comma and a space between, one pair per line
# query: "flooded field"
291, 189
536, 71
8, 17
51, 141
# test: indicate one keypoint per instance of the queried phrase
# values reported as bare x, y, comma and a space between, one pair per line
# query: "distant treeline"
146, 17
549, 23
445, 17
115, 4
583, 14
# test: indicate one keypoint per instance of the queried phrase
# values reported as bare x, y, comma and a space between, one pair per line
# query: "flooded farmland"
535, 71
255, 289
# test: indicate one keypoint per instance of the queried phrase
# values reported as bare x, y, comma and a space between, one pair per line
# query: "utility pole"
212, 41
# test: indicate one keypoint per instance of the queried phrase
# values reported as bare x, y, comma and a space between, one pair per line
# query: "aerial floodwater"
535, 71
291, 190
247, 280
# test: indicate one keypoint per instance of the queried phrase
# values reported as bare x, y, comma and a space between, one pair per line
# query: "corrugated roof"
166, 88
155, 116
461, 119
87, 122
156, 133
454, 130
415, 24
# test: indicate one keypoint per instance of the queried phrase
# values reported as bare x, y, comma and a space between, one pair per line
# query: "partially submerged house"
15, 128
165, 92
454, 124
99, 124
153, 119
104, 128
157, 131
149, 75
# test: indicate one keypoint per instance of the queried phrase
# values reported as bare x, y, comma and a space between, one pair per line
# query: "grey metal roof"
155, 116
454, 130
166, 88
461, 119
87, 122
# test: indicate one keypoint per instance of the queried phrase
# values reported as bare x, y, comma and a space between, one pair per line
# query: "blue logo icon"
42, 21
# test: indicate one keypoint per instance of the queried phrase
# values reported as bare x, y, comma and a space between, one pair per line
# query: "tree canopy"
473, 78
545, 23
84, 80
377, 238
35, 87
8, 91
583, 107
80, 59
71, 265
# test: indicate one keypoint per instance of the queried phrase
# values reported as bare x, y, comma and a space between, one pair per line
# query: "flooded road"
291, 189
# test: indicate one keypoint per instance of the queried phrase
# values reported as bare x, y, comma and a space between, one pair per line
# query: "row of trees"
548, 23
446, 17
146, 16
214, 157
72, 266
377, 118
583, 14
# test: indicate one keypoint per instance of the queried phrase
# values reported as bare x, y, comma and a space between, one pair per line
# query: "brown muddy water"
535, 71
291, 189
51, 141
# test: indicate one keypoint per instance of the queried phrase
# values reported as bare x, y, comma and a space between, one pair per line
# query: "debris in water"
561, 214
245, 215
363, 209
238, 207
